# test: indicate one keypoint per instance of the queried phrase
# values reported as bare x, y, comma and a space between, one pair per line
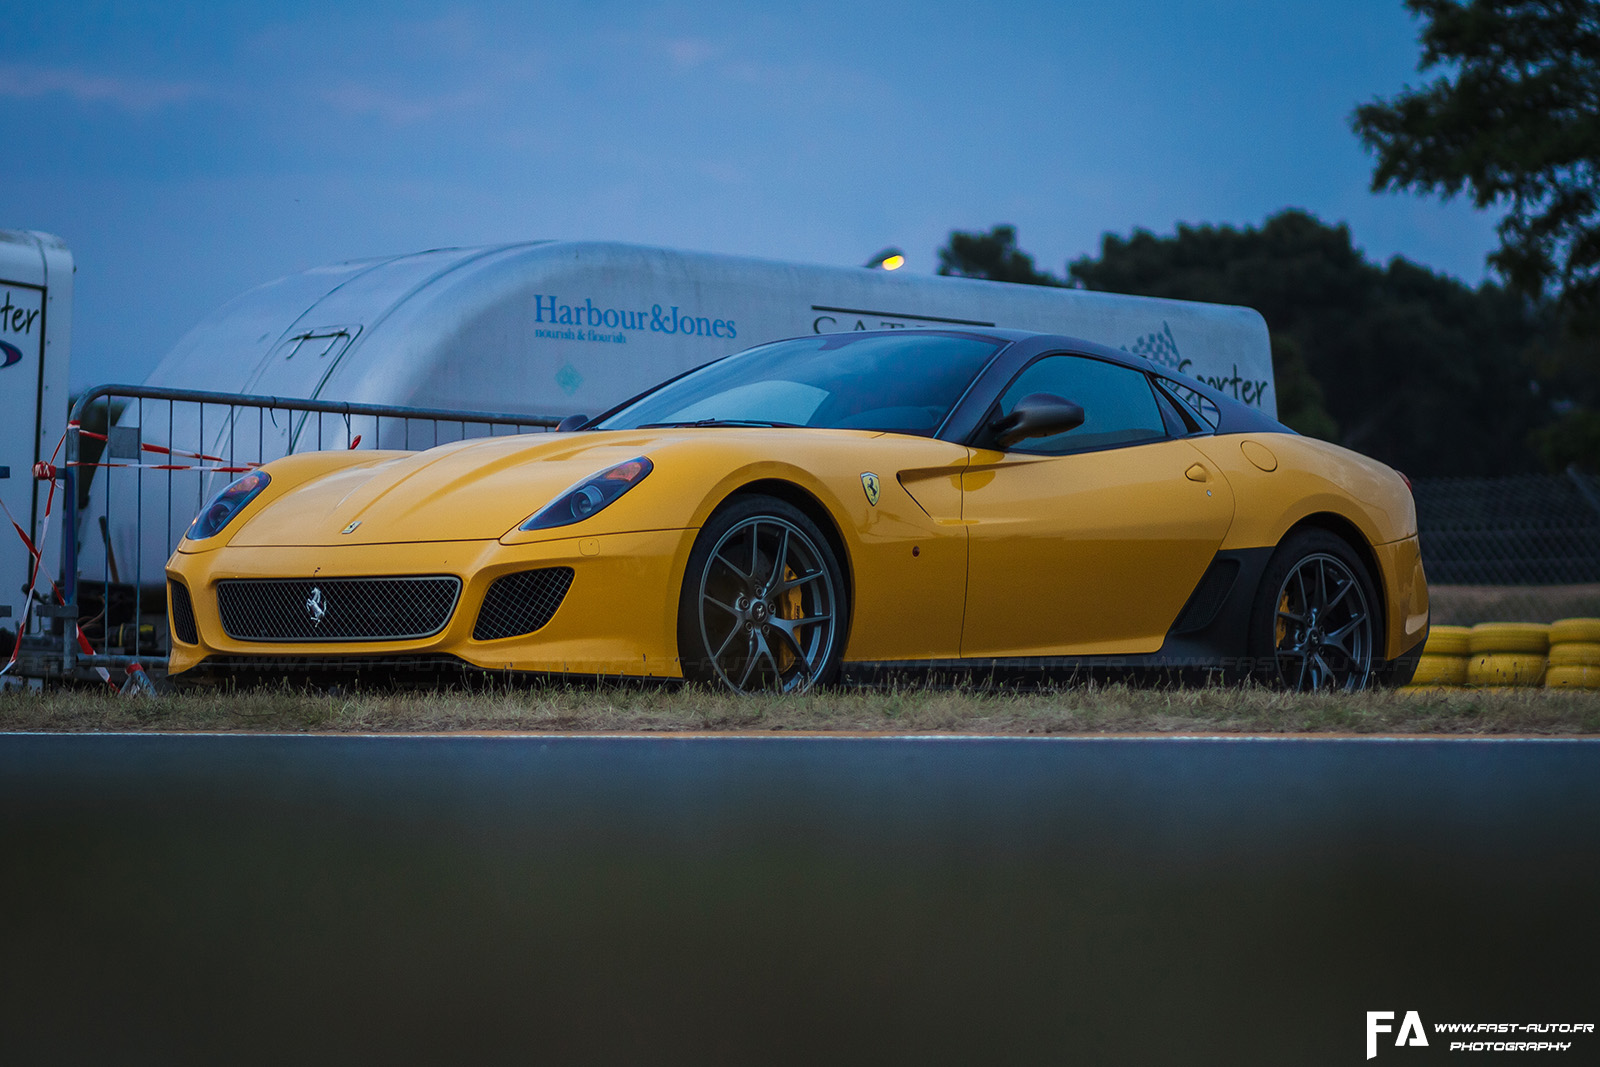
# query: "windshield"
906, 383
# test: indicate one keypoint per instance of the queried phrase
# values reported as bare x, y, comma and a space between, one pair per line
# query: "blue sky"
187, 152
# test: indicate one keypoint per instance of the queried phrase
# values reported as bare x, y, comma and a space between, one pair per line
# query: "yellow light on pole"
888, 259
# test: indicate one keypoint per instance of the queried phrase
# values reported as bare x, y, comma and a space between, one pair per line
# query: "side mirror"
572, 422
1036, 415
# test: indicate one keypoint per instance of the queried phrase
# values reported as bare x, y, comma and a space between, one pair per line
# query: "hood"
466, 491
482, 490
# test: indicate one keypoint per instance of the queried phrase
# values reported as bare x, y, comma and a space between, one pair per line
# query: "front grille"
336, 609
521, 603
183, 627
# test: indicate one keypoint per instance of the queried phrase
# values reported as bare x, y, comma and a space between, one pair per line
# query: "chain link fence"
1517, 549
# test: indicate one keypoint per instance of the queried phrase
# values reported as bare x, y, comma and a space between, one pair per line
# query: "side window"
1202, 407
1118, 406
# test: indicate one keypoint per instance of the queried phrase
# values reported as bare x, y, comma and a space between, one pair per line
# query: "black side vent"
521, 603
1208, 597
183, 627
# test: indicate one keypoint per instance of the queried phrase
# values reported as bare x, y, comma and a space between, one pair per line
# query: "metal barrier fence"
164, 454
1525, 530
1523, 548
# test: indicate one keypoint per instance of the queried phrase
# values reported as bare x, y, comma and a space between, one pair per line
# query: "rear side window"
1118, 406
1201, 407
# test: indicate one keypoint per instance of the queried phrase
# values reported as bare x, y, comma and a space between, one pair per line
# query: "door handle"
1197, 473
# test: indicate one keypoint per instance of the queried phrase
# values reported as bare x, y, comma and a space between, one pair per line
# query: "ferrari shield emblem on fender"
869, 482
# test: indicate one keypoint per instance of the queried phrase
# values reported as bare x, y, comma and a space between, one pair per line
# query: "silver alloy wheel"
1323, 632
768, 610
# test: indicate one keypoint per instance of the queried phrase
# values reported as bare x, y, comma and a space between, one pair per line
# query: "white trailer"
35, 339
558, 327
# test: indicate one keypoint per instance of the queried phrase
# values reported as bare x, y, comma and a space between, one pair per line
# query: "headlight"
226, 504
589, 495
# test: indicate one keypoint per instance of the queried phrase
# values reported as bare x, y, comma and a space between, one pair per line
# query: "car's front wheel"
764, 602
1315, 623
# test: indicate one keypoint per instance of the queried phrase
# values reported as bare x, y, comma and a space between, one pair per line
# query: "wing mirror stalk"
1036, 415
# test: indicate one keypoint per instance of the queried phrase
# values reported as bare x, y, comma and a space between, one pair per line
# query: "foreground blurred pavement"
480, 899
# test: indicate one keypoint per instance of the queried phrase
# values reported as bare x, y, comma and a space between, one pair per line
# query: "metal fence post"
69, 551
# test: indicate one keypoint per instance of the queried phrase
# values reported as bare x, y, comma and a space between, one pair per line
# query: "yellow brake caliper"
788, 607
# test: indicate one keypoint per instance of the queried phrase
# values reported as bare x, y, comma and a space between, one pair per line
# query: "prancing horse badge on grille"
316, 606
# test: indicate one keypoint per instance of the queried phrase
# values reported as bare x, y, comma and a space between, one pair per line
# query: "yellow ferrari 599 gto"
827, 507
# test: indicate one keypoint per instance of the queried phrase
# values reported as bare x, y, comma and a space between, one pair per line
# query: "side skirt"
1209, 641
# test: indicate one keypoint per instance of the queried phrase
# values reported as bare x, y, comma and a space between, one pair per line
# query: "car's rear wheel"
764, 603
1315, 623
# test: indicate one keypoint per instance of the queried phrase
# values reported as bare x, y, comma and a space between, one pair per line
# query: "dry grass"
1081, 709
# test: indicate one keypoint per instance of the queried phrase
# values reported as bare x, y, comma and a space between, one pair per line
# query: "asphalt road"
244, 898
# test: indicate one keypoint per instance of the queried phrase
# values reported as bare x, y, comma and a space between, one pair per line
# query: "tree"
1568, 371
1414, 368
993, 256
1300, 396
1406, 365
1516, 121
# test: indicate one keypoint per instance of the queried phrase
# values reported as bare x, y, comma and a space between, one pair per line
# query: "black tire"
764, 605
1317, 621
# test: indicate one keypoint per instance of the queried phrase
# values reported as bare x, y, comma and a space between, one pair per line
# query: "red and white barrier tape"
36, 552
49, 472
36, 555
33, 577
158, 449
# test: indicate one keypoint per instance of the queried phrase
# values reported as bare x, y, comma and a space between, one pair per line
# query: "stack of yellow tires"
1508, 653
1574, 654
1561, 655
1444, 657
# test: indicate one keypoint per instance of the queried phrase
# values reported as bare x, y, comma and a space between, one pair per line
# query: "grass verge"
1080, 709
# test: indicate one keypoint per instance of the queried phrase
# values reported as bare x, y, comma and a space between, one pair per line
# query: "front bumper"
618, 618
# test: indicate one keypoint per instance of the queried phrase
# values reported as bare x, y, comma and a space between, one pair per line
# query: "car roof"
1022, 345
